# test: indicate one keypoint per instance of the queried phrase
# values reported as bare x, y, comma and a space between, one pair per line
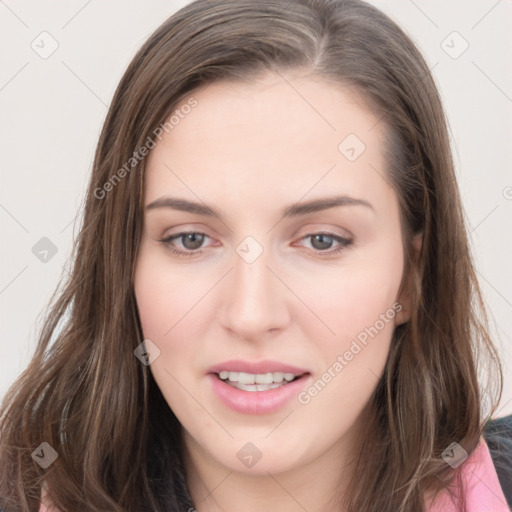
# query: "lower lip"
256, 402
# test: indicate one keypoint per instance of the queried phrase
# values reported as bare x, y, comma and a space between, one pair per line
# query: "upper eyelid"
307, 231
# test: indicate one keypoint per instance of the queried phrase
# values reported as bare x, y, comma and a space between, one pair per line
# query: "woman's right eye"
186, 238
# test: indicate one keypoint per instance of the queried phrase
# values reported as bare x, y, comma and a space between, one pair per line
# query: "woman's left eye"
324, 239
191, 241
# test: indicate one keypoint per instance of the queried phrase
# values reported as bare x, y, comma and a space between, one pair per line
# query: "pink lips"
257, 402
261, 367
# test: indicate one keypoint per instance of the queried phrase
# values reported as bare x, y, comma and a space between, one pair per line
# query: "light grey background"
52, 109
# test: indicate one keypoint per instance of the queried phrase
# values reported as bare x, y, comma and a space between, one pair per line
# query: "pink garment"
483, 490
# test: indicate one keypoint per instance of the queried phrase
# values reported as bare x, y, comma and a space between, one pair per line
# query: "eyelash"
344, 243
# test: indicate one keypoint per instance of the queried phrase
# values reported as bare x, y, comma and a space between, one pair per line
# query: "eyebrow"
294, 210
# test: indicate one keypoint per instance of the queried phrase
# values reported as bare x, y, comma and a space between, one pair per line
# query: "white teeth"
255, 387
265, 379
278, 376
233, 376
246, 378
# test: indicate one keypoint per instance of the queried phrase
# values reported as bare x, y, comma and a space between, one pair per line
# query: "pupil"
192, 236
324, 245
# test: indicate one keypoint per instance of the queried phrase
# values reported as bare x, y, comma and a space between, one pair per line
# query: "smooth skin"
249, 150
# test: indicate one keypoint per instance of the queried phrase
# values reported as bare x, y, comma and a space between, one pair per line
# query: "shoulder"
483, 488
498, 436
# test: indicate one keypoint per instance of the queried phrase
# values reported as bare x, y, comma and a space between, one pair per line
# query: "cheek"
359, 296
164, 298
174, 314
362, 313
360, 308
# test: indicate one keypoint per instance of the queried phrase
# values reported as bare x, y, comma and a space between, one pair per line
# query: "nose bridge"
254, 303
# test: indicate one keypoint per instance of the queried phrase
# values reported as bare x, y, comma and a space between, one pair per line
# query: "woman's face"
269, 289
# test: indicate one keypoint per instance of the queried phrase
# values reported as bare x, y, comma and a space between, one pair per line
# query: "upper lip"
259, 367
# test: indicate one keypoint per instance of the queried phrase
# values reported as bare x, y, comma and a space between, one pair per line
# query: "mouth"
257, 388
257, 381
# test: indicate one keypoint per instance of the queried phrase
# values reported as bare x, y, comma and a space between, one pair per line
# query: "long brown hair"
87, 396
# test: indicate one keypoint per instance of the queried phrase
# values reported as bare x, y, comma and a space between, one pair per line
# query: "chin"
257, 456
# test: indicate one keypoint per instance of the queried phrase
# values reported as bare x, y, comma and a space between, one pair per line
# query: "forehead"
281, 131
281, 110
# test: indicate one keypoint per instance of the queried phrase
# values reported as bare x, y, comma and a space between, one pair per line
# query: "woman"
273, 304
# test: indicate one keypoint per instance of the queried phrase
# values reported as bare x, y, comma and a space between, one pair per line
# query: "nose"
256, 299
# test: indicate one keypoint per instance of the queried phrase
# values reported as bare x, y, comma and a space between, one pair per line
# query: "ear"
405, 297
